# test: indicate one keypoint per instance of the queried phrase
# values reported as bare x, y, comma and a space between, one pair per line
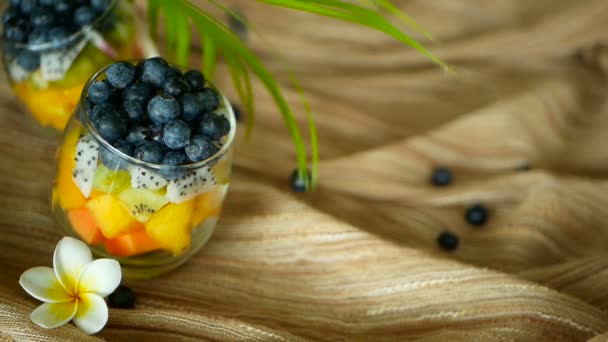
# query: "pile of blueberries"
34, 22
155, 113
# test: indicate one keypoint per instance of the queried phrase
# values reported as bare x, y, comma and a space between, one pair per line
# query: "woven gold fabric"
522, 122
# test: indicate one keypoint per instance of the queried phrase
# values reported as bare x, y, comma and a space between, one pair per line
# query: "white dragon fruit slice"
190, 185
142, 178
86, 157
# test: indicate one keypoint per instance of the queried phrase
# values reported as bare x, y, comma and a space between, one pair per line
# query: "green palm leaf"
217, 39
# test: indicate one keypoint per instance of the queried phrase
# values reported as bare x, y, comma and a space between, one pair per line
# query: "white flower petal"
53, 315
101, 276
92, 313
42, 284
71, 256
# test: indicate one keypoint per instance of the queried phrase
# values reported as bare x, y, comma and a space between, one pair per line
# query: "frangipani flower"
74, 290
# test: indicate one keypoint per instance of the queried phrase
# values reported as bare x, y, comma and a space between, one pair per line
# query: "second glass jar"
48, 74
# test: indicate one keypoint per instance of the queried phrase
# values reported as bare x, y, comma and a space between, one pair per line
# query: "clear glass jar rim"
74, 37
88, 125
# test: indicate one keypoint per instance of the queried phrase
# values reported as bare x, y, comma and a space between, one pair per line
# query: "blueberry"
150, 152
297, 182
99, 91
195, 79
59, 34
477, 215
27, 6
162, 109
140, 92
210, 100
175, 86
47, 3
28, 60
441, 177
11, 13
120, 74
42, 17
174, 158
199, 148
153, 71
173, 72
156, 133
137, 134
16, 30
100, 108
63, 7
192, 106
214, 126
122, 298
15, 3
135, 111
114, 161
101, 5
176, 134
38, 36
109, 124
448, 241
84, 15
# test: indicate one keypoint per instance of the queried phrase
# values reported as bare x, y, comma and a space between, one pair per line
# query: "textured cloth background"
522, 123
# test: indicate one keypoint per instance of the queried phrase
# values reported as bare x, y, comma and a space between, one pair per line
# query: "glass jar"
131, 213
48, 77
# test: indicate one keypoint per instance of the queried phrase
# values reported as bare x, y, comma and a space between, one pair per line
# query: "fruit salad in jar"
50, 48
144, 165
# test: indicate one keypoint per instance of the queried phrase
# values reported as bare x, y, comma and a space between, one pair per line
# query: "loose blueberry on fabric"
298, 182
477, 215
122, 298
448, 241
441, 177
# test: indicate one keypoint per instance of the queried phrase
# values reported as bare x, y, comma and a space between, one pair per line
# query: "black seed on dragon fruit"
86, 157
142, 178
190, 185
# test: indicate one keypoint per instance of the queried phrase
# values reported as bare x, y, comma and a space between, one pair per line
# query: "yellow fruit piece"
66, 192
50, 106
170, 227
111, 217
208, 205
